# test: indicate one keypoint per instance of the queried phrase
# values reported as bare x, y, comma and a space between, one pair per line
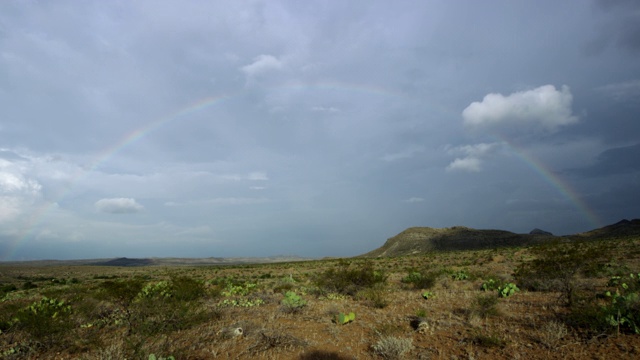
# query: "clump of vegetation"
7, 288
154, 357
237, 294
159, 307
556, 266
374, 296
491, 284
507, 290
391, 347
484, 306
552, 333
489, 340
292, 303
420, 280
460, 275
275, 339
428, 295
349, 280
623, 308
342, 318
46, 320
28, 285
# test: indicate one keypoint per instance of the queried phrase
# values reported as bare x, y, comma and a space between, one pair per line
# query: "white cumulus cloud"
414, 200
543, 108
118, 206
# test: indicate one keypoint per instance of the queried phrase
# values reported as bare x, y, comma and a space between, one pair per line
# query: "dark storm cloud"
317, 128
614, 161
621, 27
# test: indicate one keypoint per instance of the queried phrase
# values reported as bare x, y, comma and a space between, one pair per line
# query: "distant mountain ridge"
416, 240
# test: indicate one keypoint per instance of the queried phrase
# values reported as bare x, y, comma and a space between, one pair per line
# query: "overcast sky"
315, 128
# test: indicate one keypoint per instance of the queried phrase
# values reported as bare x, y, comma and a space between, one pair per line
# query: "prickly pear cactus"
343, 318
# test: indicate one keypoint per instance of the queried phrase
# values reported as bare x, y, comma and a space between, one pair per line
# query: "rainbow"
137, 134
555, 181
104, 156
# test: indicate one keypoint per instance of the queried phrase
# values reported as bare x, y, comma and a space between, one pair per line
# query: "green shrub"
342, 318
556, 266
28, 285
184, 288
507, 290
349, 281
7, 288
623, 308
292, 302
46, 320
420, 280
428, 295
460, 275
375, 296
491, 284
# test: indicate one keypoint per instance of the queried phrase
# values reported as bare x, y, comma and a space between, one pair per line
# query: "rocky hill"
417, 240
622, 228
424, 239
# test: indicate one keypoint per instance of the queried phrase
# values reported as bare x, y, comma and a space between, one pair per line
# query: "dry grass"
453, 323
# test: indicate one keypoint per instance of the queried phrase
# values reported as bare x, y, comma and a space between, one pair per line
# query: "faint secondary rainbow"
554, 180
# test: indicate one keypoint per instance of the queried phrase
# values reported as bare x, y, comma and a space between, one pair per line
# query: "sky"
158, 128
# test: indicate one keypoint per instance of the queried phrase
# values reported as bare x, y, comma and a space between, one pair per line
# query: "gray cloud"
118, 206
613, 161
627, 91
266, 127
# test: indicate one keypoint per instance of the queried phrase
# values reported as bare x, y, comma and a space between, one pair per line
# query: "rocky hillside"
417, 240
622, 228
424, 239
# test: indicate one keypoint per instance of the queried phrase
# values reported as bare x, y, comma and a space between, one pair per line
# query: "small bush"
507, 290
389, 347
46, 320
485, 306
420, 280
618, 309
292, 303
374, 297
460, 275
552, 333
489, 341
184, 288
349, 281
28, 285
491, 284
7, 288
556, 266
